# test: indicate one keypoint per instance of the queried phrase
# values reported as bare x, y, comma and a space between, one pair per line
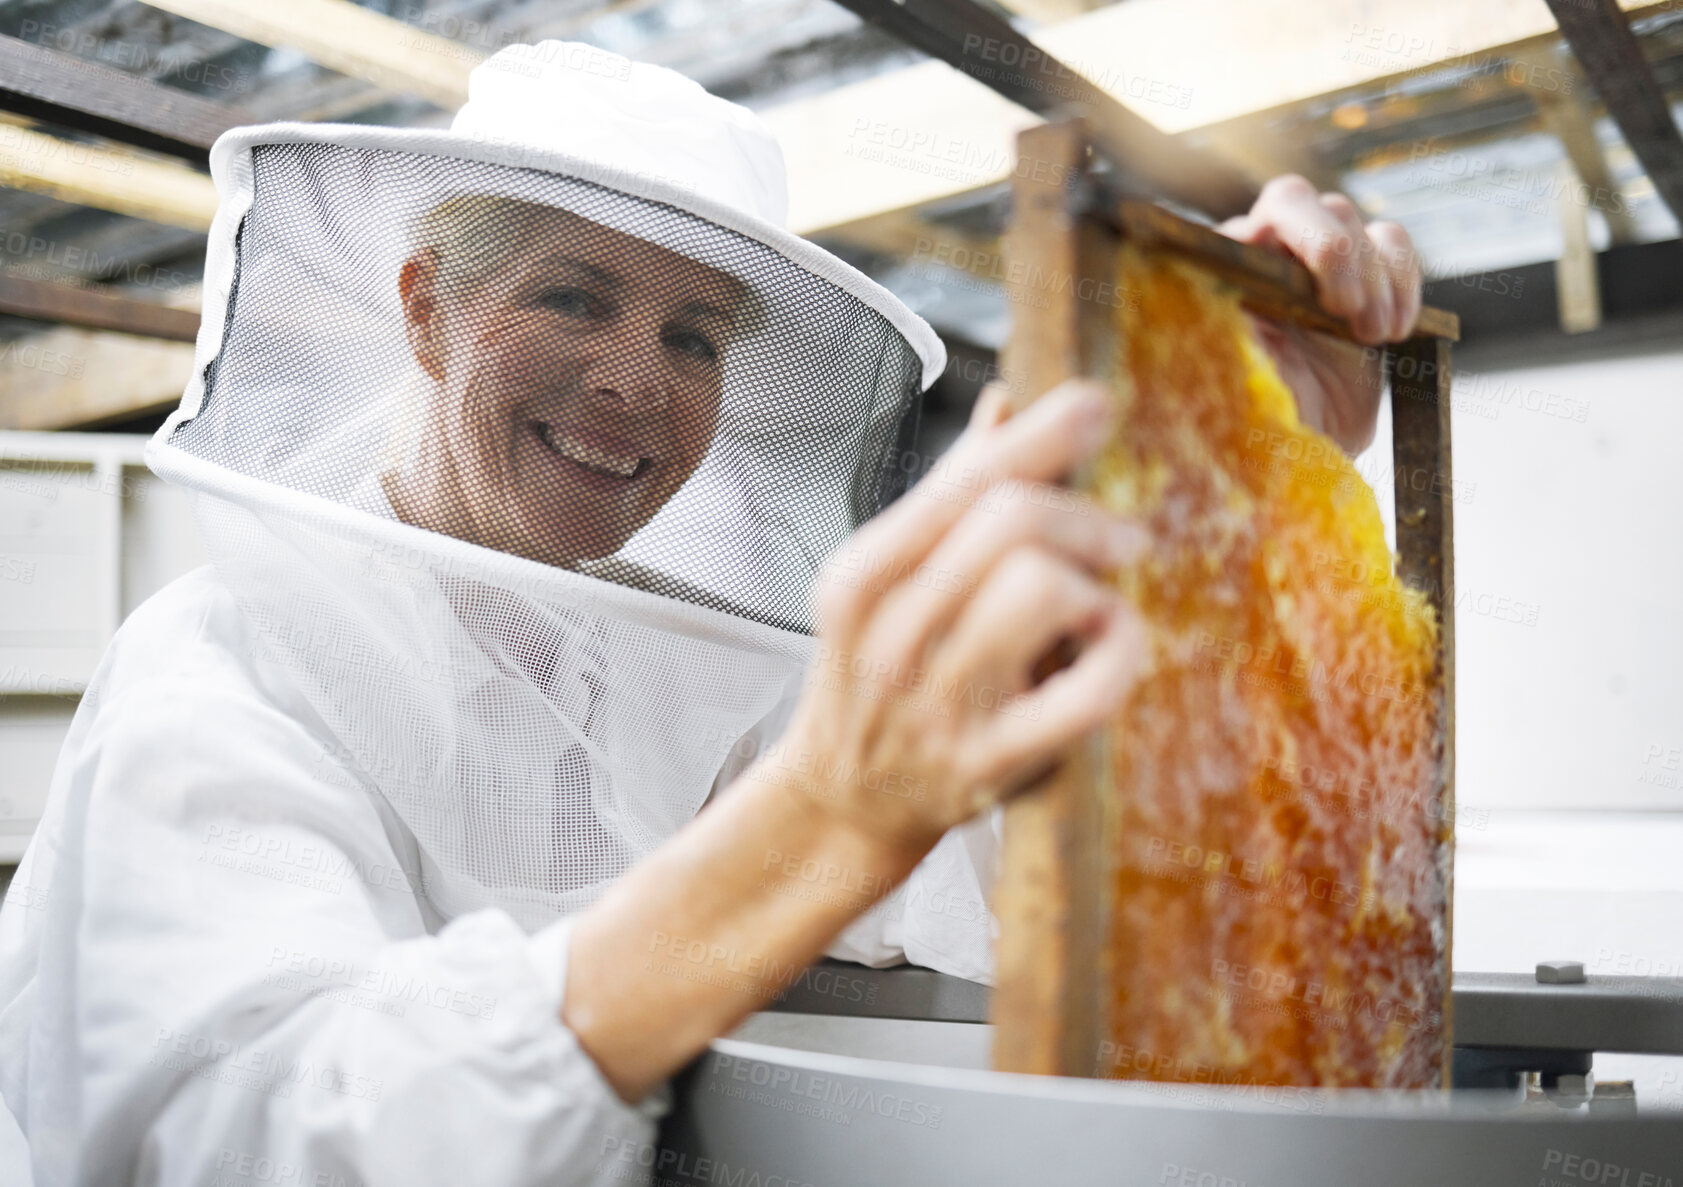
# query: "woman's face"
578, 386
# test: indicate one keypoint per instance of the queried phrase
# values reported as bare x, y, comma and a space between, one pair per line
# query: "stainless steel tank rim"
755, 1112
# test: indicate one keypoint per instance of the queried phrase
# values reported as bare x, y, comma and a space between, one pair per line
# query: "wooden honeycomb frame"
1053, 964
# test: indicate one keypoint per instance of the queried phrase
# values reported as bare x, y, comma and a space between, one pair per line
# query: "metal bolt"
1560, 972
1571, 1091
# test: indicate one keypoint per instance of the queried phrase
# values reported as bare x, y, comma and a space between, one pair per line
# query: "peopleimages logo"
626, 1158
840, 1093
1561, 1169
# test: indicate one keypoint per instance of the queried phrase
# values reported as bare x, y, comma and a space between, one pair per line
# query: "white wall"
1569, 583
87, 533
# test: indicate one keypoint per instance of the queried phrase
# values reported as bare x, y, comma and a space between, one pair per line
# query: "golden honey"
1281, 842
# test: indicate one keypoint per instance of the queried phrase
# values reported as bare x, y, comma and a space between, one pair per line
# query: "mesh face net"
524, 481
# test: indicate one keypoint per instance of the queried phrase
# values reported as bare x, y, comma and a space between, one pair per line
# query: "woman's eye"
693, 343
572, 301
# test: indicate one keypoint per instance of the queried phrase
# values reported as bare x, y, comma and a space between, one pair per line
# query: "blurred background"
1549, 229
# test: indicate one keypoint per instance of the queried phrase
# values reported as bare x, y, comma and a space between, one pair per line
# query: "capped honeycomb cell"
1281, 833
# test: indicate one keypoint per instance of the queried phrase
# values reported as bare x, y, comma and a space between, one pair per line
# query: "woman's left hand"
1367, 274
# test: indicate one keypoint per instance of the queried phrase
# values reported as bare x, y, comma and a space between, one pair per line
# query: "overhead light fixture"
1349, 116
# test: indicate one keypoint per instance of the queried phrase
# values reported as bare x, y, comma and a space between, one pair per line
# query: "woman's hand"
923, 709
1369, 275
924, 706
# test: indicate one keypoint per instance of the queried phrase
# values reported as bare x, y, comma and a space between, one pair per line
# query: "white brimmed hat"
581, 103
315, 223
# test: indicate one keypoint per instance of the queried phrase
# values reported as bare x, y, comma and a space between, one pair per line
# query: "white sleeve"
941, 916
235, 982
948, 923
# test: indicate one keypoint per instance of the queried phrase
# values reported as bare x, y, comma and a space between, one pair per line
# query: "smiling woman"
517, 451
577, 373
544, 399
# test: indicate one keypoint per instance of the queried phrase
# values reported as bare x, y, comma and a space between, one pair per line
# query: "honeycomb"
1281, 837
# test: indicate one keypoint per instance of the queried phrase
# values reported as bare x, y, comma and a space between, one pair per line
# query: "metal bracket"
1505, 1023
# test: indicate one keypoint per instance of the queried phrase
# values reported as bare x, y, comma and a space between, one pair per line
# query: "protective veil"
516, 449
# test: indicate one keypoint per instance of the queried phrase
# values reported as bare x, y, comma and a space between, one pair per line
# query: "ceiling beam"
59, 88
927, 132
1048, 12
1640, 301
1569, 119
1257, 151
1601, 40
107, 177
350, 39
1579, 295
906, 235
69, 378
980, 44
1632, 282
1262, 155
42, 300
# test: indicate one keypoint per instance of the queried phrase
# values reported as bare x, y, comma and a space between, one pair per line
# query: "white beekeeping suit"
516, 449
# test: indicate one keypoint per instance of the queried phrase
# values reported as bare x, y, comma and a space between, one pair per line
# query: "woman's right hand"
925, 705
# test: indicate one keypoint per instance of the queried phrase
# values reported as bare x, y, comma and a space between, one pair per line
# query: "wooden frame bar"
1269, 283
1048, 1003
1423, 493
1049, 1006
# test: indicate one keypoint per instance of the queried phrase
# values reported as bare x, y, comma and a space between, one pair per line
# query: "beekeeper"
375, 852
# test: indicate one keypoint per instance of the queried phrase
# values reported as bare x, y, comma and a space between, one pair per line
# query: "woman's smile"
621, 462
